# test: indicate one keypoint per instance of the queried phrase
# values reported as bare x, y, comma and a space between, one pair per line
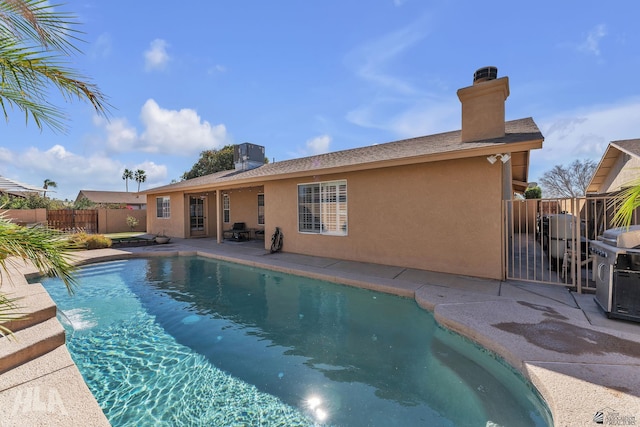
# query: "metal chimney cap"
485, 73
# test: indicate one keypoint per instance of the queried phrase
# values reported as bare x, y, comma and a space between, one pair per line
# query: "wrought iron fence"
547, 240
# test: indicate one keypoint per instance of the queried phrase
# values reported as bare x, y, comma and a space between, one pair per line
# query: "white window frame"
226, 208
322, 208
260, 209
163, 207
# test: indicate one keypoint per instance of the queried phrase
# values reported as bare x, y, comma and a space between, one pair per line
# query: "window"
322, 208
226, 208
163, 207
260, 209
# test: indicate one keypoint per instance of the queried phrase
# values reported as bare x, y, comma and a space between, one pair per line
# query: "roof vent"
485, 73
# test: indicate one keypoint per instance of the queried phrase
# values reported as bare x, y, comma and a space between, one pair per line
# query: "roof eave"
486, 150
603, 168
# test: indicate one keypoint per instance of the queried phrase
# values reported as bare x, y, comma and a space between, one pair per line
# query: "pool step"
36, 333
30, 343
33, 301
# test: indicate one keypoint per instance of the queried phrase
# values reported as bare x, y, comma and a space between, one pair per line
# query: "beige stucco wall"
115, 220
243, 205
178, 223
483, 109
441, 216
27, 216
625, 171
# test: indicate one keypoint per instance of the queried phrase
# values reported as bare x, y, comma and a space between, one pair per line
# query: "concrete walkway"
581, 362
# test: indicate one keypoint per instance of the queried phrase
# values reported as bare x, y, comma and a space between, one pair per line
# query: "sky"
309, 77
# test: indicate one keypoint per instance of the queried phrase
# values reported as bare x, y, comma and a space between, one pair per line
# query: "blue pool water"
195, 341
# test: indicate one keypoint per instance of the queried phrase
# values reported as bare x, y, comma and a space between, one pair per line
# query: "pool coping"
581, 363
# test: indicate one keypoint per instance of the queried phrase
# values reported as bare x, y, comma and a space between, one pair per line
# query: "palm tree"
48, 183
48, 250
127, 175
140, 177
36, 41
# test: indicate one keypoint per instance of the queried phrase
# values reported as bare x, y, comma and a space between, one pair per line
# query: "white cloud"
156, 57
417, 118
121, 136
427, 119
584, 134
592, 43
370, 61
156, 175
399, 106
318, 145
102, 46
73, 172
178, 131
65, 163
217, 69
68, 170
6, 156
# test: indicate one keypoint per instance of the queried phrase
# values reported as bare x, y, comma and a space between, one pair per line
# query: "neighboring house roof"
112, 197
10, 186
520, 136
609, 159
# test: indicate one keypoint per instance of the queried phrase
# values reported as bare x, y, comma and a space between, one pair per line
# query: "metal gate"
73, 220
547, 240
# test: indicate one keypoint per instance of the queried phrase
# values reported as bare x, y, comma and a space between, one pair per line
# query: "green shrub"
533, 193
83, 203
132, 222
90, 241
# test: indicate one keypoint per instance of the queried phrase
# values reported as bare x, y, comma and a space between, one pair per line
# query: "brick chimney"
483, 105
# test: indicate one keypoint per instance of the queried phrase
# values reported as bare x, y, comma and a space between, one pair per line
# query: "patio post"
219, 216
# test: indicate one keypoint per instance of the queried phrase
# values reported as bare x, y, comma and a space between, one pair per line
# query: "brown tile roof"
608, 160
112, 197
523, 130
631, 146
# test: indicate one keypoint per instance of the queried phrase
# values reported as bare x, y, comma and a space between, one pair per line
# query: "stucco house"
433, 202
109, 198
619, 167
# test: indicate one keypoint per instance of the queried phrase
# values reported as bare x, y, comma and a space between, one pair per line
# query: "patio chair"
239, 231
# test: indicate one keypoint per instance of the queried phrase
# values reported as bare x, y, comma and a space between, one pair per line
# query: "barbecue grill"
617, 272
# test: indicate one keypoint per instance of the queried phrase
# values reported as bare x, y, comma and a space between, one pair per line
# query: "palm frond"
8, 312
48, 250
36, 41
625, 204
40, 22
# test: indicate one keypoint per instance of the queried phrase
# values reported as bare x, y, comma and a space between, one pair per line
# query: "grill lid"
622, 237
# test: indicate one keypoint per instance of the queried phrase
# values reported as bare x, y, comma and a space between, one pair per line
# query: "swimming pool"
195, 341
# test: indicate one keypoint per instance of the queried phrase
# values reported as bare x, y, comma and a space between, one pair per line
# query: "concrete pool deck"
581, 362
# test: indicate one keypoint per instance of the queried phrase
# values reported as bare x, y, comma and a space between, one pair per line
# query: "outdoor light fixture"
503, 157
